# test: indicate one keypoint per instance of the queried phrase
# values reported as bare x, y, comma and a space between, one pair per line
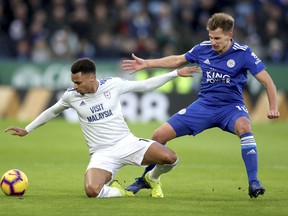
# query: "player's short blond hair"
221, 20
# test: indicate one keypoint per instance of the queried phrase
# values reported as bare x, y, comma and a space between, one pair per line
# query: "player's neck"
95, 86
226, 47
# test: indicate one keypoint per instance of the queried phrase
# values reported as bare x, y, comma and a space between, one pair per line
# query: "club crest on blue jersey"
182, 111
230, 63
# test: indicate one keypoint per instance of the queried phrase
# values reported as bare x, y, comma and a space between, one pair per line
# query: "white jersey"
100, 113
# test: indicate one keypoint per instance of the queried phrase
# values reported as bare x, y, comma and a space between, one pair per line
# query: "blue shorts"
198, 117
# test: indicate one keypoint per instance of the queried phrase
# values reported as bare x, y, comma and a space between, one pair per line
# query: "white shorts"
128, 151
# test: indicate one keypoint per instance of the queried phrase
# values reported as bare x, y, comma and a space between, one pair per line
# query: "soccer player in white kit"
110, 142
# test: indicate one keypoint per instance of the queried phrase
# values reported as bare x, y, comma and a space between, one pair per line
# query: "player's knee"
171, 158
243, 127
92, 190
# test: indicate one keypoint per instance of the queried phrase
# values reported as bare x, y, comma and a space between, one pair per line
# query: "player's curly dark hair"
83, 65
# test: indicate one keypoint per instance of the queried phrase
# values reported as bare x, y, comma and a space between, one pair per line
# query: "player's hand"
188, 71
273, 114
134, 65
16, 131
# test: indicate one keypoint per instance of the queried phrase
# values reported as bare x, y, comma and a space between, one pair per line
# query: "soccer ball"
14, 183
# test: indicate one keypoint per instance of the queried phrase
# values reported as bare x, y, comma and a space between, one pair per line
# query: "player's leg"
94, 181
163, 134
99, 173
165, 160
160, 155
96, 184
191, 120
235, 119
249, 155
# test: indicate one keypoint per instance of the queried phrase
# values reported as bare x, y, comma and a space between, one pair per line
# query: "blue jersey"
225, 75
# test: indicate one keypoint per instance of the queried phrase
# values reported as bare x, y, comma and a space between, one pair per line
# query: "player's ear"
92, 76
230, 34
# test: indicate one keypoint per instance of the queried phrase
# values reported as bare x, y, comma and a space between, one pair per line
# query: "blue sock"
249, 155
147, 169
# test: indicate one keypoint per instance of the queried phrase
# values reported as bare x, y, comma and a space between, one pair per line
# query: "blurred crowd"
45, 30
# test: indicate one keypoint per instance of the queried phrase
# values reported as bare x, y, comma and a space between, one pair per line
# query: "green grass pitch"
209, 179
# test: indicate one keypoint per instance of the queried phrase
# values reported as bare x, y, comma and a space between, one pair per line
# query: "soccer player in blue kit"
225, 64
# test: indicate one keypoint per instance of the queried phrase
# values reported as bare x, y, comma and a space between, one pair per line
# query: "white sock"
158, 170
107, 191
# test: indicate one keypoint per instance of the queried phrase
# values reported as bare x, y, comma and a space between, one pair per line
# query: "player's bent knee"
92, 190
244, 128
174, 163
174, 158
171, 158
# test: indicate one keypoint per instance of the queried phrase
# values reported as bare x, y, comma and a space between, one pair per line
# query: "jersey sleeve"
191, 55
253, 63
49, 113
148, 84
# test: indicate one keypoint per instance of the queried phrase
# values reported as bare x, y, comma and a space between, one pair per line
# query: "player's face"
220, 41
83, 83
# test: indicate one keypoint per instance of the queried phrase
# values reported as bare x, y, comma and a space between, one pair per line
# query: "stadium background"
40, 39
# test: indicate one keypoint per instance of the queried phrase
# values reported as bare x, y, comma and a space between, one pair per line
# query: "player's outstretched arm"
17, 131
137, 64
44, 117
157, 81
